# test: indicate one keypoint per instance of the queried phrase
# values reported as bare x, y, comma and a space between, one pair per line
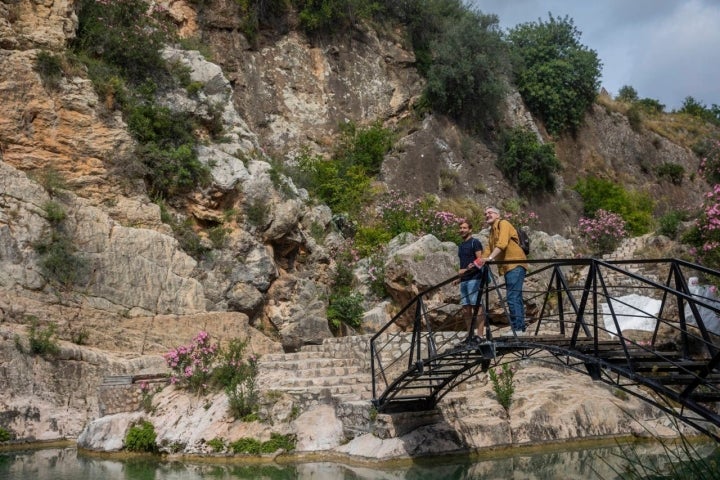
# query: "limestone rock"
318, 429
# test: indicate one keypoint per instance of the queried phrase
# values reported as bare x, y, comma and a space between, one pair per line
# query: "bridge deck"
675, 367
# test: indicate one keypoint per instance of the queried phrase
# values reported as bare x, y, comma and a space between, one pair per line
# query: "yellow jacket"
504, 236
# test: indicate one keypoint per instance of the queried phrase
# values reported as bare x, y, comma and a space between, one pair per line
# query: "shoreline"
488, 453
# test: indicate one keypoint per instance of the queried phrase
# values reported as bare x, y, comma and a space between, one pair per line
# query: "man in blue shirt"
469, 250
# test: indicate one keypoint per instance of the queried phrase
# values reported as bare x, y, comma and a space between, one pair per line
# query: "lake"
581, 463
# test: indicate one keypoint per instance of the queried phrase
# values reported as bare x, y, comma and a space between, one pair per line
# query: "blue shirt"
466, 254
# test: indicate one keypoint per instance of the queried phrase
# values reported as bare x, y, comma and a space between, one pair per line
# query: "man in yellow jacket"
504, 244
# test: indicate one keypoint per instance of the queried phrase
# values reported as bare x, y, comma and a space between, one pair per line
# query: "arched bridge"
637, 325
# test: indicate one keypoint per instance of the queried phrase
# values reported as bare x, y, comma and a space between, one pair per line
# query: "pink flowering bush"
191, 364
705, 235
710, 164
202, 365
523, 218
400, 213
604, 232
707, 230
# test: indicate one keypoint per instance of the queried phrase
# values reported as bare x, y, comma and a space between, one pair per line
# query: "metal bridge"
583, 314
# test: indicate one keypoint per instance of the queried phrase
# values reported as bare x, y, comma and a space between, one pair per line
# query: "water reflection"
595, 463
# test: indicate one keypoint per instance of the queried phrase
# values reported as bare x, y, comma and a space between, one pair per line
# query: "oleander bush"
634, 207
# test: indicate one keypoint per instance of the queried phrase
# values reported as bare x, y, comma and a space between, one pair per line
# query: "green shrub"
54, 212
218, 236
217, 444
345, 308
557, 76
278, 442
634, 207
344, 189
650, 106
503, 384
527, 164
5, 435
50, 68
257, 212
120, 43
167, 150
141, 438
52, 180
255, 447
364, 147
672, 171
329, 16
188, 238
80, 336
376, 274
59, 261
237, 375
42, 341
669, 223
126, 34
246, 445
693, 107
634, 118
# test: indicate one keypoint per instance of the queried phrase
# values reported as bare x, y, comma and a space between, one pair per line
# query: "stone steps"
278, 381
338, 370
279, 369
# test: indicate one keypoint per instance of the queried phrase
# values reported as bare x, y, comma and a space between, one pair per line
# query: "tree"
465, 78
693, 107
557, 76
627, 94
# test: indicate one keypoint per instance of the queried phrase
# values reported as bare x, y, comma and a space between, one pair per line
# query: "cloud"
665, 49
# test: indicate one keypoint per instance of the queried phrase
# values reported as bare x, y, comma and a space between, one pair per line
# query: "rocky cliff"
139, 293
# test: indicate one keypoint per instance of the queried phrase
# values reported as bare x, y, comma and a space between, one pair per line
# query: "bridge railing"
585, 301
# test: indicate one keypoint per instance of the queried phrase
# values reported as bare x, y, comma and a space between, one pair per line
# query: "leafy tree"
528, 164
556, 75
127, 34
696, 109
627, 94
650, 105
462, 54
465, 79
425, 20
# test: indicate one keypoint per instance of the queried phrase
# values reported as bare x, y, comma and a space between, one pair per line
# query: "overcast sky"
665, 49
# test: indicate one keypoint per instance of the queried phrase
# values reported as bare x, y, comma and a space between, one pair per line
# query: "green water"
581, 464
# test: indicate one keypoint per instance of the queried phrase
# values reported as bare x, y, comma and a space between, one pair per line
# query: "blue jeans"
514, 284
469, 291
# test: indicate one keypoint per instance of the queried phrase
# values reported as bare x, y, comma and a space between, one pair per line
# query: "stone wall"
125, 393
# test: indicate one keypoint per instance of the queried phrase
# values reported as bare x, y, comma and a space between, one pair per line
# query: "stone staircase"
336, 371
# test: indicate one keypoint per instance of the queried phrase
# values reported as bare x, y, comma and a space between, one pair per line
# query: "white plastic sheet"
707, 294
633, 312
